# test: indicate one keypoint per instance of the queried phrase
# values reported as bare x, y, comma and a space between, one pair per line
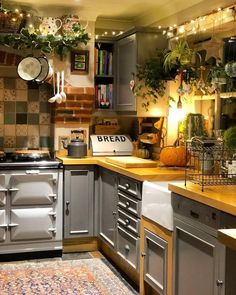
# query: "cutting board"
131, 162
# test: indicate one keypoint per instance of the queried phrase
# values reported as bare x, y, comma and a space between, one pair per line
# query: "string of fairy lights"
203, 23
209, 21
15, 14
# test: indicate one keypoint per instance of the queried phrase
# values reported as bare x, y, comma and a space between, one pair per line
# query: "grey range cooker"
31, 188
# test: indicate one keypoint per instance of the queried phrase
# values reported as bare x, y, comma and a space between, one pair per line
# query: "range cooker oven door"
33, 188
32, 224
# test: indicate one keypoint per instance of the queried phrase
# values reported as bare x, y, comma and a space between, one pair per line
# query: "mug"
49, 25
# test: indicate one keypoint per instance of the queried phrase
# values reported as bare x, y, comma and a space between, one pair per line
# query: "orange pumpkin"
173, 156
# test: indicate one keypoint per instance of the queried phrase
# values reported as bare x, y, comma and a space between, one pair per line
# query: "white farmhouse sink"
156, 203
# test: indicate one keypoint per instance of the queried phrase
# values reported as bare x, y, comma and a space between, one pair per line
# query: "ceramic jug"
49, 25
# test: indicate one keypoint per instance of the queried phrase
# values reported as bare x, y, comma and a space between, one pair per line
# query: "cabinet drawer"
128, 247
129, 203
129, 222
130, 186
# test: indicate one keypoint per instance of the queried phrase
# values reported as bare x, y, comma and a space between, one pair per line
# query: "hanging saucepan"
29, 68
46, 70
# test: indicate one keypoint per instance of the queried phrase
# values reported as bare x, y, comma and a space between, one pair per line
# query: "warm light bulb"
105, 33
96, 37
113, 33
159, 27
181, 29
16, 10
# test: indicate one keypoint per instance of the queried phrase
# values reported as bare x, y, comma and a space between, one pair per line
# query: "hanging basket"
10, 22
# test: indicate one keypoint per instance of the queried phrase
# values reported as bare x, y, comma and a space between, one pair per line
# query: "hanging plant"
180, 57
60, 45
151, 80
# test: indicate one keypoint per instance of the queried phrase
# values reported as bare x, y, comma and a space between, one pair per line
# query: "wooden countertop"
149, 174
220, 197
228, 237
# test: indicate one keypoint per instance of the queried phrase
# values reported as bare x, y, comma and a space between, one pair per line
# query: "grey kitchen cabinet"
107, 206
78, 201
132, 50
155, 261
202, 265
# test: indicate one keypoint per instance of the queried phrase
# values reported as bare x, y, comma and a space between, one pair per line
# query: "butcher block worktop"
219, 197
149, 174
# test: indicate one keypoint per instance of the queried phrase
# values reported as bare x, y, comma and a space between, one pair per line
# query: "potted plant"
217, 75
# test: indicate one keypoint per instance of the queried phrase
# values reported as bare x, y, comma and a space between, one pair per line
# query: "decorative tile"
21, 130
9, 107
1, 107
1, 118
1, 142
33, 107
9, 130
21, 84
32, 85
33, 119
21, 94
45, 107
33, 130
44, 118
1, 94
33, 95
21, 118
44, 130
9, 83
9, 95
9, 118
45, 141
33, 142
21, 141
9, 142
1, 130
21, 107
1, 83
44, 94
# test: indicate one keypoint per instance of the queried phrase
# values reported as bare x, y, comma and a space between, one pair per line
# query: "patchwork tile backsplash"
25, 114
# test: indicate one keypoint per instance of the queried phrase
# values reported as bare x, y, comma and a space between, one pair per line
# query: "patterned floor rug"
78, 277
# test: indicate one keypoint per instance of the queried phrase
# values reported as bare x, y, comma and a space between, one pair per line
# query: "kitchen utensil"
29, 68
46, 70
131, 162
62, 93
53, 98
76, 148
58, 97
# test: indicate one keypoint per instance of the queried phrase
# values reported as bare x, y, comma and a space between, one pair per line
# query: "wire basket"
210, 163
10, 22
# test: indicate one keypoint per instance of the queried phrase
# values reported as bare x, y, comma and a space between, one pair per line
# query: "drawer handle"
219, 283
143, 254
53, 196
12, 224
127, 204
127, 248
127, 185
114, 213
52, 230
3, 225
3, 189
127, 221
53, 214
194, 214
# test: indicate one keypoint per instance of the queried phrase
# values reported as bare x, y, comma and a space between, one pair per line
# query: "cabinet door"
78, 202
196, 259
107, 206
3, 225
126, 65
155, 262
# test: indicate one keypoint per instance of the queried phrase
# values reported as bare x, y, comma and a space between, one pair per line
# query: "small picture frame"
80, 62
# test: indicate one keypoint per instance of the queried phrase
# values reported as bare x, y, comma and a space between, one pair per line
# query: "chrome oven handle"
13, 189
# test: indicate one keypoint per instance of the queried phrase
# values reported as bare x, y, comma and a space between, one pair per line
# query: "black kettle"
77, 148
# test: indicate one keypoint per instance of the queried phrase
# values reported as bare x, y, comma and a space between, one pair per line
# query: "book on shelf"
103, 65
103, 94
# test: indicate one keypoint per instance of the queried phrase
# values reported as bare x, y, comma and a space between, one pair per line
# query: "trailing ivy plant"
60, 45
151, 80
